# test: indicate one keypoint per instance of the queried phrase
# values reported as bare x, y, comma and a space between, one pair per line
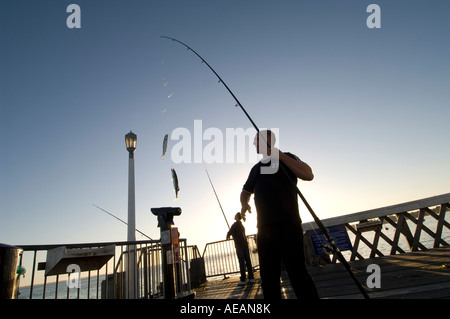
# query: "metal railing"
110, 280
221, 259
415, 225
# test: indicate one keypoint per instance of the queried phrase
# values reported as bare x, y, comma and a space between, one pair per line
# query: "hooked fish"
164, 146
175, 183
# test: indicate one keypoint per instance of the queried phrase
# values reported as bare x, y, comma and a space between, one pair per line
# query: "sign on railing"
339, 235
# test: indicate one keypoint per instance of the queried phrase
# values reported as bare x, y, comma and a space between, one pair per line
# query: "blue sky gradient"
367, 108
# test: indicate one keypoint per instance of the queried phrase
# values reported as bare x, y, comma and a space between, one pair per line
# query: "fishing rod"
220, 79
313, 214
217, 199
121, 221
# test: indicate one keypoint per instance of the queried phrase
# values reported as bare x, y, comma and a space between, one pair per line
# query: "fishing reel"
165, 215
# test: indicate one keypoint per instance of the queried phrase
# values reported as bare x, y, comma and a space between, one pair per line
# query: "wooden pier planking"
420, 274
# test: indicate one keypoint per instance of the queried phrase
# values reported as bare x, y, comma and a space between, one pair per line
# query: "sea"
90, 288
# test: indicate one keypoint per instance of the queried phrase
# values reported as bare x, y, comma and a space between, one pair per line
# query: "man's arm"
230, 232
245, 199
300, 169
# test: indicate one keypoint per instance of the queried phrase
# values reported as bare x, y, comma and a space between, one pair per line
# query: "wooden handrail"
383, 211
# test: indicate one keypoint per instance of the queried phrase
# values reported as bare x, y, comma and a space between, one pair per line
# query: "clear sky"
368, 109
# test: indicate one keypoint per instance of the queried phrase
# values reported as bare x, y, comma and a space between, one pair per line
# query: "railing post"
440, 225
418, 229
404, 229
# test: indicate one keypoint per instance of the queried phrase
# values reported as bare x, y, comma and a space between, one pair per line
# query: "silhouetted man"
280, 233
237, 231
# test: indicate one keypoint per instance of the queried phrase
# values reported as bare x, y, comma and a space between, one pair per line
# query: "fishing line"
168, 94
313, 214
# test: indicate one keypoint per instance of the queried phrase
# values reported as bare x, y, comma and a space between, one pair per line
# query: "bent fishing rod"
313, 214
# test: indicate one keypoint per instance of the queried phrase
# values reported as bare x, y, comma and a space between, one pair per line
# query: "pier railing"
220, 257
103, 272
411, 226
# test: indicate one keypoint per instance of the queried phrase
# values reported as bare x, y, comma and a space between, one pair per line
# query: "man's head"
237, 217
263, 139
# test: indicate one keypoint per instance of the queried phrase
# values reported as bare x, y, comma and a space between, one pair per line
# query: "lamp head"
130, 141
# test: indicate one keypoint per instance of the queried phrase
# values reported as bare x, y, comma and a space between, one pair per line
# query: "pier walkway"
414, 275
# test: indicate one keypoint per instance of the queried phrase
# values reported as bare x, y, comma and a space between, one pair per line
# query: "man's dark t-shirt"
237, 230
275, 195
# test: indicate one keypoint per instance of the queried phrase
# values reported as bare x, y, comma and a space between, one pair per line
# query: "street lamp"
130, 142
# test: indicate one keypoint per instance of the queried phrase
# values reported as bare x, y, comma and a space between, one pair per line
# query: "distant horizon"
309, 223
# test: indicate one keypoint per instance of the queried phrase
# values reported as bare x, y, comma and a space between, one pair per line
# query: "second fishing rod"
319, 223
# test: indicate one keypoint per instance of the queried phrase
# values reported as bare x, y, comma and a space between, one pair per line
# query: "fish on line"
166, 137
175, 183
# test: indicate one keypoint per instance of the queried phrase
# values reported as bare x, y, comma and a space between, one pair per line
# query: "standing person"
237, 230
280, 233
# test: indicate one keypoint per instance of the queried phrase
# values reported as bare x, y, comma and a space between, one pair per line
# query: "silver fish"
164, 146
175, 183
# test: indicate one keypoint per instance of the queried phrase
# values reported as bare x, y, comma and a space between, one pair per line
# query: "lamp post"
130, 266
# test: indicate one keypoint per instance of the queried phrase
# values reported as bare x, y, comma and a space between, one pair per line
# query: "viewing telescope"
165, 216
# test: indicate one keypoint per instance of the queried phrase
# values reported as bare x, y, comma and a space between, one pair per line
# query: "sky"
366, 108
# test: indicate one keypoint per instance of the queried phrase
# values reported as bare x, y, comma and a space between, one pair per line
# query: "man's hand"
300, 169
245, 207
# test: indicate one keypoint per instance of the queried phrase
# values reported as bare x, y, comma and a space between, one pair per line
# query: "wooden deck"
416, 275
